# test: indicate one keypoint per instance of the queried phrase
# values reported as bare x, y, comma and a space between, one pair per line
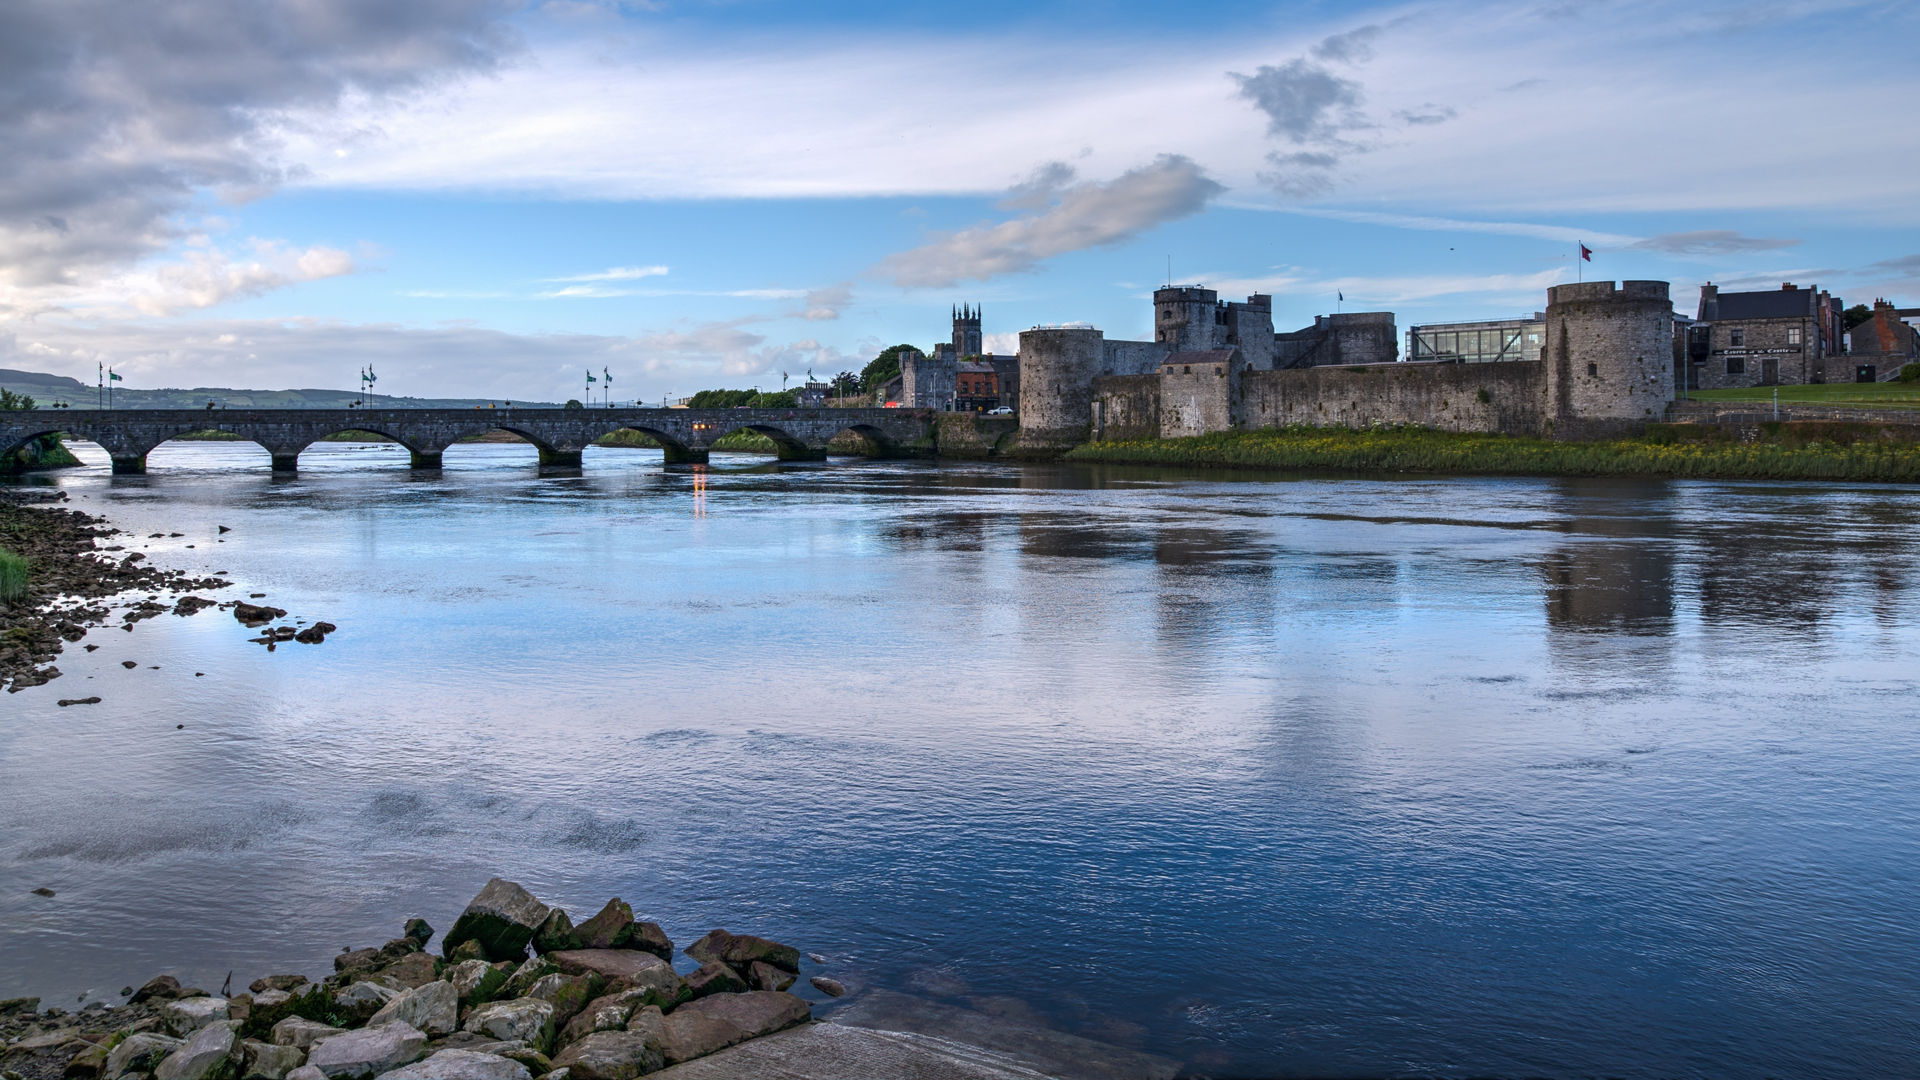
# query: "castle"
1607, 365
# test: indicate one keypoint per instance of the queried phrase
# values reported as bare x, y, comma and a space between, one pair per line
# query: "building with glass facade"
1478, 342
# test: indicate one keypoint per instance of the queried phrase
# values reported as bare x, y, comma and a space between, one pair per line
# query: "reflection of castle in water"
1617, 572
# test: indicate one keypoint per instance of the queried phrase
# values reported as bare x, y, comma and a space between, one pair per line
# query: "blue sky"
488, 199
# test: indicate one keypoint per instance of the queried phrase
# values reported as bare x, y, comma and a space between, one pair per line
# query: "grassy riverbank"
13, 575
1867, 395
1786, 451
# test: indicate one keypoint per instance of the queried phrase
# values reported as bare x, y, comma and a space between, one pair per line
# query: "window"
1793, 335
1593, 370
1736, 337
1736, 365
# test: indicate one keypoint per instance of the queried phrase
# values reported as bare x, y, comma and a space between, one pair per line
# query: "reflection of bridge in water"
686, 435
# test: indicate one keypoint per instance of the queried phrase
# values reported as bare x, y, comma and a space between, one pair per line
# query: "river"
1267, 773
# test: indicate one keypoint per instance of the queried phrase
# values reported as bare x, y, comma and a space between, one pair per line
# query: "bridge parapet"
560, 435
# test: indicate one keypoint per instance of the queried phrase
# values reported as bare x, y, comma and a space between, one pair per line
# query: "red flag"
1586, 253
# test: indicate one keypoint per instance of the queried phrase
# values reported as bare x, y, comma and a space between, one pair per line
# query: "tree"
846, 384
44, 452
573, 403
12, 402
1856, 315
882, 369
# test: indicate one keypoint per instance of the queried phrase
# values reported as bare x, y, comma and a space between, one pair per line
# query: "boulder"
715, 978
639, 970
185, 1016
356, 960
257, 614
466, 950
741, 950
611, 1055
607, 1013
306, 1072
158, 988
267, 1061
536, 1062
277, 982
368, 1052
88, 1064
433, 1008
271, 999
43, 1054
140, 1053
395, 948
461, 1065
714, 1023
476, 980
301, 1033
648, 1020
527, 1020
764, 976
829, 987
528, 973
568, 994
649, 937
412, 969
418, 930
555, 933
502, 918
362, 999
610, 925
209, 1055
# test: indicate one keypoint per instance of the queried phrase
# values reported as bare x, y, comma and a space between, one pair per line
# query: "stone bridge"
559, 434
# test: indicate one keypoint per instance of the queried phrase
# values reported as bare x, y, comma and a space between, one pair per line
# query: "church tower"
966, 331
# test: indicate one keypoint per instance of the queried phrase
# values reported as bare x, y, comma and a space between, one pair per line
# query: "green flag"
111, 377
590, 377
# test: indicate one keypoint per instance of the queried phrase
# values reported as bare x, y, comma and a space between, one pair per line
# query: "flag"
1586, 253
111, 377
1341, 295
605, 375
590, 377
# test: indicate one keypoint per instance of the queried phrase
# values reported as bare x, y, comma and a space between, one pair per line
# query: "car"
1004, 410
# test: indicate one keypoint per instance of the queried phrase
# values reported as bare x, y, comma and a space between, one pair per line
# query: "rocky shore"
600, 1000
81, 573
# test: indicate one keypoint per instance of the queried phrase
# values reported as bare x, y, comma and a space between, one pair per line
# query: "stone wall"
1609, 356
971, 435
1132, 357
1126, 407
926, 382
1356, 337
1196, 399
1505, 397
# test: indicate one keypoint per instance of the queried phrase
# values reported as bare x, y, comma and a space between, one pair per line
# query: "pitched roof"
1770, 304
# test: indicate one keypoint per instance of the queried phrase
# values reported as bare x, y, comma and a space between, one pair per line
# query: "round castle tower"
1609, 355
1184, 317
1057, 368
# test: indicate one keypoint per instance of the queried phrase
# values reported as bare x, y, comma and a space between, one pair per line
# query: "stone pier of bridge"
560, 435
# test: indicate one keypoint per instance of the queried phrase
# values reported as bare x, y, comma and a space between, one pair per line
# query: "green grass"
1873, 395
1789, 451
13, 575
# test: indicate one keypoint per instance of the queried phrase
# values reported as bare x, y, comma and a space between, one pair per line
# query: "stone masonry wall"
1508, 397
1195, 399
1126, 407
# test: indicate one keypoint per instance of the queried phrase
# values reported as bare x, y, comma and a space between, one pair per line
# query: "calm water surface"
1270, 774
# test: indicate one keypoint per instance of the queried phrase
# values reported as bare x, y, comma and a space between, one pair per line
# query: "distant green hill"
47, 389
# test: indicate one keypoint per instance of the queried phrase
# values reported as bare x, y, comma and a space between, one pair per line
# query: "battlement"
1604, 291
1185, 294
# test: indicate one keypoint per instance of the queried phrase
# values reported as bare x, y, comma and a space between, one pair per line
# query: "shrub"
1910, 373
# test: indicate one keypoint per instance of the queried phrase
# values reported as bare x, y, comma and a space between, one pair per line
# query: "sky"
484, 198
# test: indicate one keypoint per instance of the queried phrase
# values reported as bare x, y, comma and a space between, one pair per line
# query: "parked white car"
1004, 410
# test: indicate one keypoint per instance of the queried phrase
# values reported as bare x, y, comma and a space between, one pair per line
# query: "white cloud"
449, 360
1084, 215
201, 277
618, 273
1551, 116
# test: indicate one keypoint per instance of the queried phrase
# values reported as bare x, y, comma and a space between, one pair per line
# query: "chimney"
1709, 302
1786, 286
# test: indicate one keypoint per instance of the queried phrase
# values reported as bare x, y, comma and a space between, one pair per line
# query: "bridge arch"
786, 445
877, 441
673, 447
